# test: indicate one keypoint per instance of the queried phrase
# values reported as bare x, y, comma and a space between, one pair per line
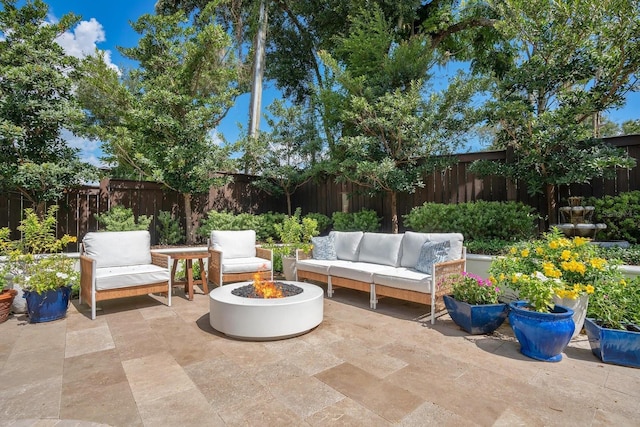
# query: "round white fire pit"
262, 319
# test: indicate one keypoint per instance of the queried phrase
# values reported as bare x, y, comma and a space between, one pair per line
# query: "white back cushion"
118, 248
412, 244
234, 243
381, 248
347, 244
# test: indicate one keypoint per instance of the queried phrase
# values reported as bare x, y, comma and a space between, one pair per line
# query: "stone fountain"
576, 219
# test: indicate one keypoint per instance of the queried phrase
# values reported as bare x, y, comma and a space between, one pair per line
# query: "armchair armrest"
161, 260
443, 270
264, 253
87, 268
301, 254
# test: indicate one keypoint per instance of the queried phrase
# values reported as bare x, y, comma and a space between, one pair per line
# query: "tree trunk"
189, 219
551, 204
394, 212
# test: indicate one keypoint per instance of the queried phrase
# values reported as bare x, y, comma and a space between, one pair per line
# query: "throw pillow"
432, 253
324, 248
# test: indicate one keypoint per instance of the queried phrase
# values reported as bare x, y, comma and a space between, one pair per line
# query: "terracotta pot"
6, 299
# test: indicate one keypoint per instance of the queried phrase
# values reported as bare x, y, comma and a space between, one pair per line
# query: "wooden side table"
188, 258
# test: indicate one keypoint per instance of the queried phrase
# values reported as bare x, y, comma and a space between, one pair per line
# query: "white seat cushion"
234, 243
319, 266
245, 265
133, 275
360, 271
403, 278
118, 248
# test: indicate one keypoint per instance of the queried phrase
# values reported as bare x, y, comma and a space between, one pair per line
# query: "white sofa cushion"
380, 248
403, 278
234, 243
118, 248
319, 266
360, 271
412, 245
133, 275
347, 244
245, 265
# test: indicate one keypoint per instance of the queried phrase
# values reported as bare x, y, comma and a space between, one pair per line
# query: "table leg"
173, 272
189, 285
203, 277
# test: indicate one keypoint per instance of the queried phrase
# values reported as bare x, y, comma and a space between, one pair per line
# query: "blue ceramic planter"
48, 306
542, 336
613, 345
476, 319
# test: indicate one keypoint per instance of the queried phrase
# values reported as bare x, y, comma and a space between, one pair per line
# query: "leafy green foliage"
169, 230
569, 60
472, 289
158, 118
365, 220
35, 261
480, 220
36, 104
119, 218
296, 232
621, 214
616, 304
324, 222
628, 256
224, 220
487, 246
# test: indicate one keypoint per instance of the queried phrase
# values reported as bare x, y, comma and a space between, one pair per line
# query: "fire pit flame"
266, 289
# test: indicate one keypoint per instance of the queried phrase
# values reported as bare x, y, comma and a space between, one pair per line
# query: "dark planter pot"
542, 336
48, 306
476, 319
614, 345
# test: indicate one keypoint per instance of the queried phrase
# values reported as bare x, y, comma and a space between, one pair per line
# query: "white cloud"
90, 150
83, 40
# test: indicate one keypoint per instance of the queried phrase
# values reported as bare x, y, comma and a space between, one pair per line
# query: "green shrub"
169, 230
263, 224
481, 220
119, 218
324, 222
268, 229
621, 214
365, 220
628, 256
488, 246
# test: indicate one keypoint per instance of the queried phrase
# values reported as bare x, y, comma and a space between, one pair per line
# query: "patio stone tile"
368, 359
156, 376
139, 344
107, 402
305, 395
45, 336
246, 353
33, 398
387, 400
430, 414
620, 381
346, 412
315, 360
271, 374
94, 369
186, 408
36, 365
267, 411
89, 340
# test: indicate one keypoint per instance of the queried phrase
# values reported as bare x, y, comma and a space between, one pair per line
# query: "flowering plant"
616, 305
35, 261
553, 265
472, 289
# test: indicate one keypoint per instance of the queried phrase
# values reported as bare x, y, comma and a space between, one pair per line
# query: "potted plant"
38, 267
474, 303
572, 263
613, 322
295, 233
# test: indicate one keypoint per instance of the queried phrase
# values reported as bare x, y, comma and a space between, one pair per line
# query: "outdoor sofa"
117, 264
405, 266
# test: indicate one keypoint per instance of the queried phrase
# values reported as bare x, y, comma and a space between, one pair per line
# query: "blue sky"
105, 25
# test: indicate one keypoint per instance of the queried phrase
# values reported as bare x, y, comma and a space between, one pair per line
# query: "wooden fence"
453, 185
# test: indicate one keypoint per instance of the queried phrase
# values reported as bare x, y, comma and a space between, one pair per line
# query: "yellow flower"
554, 244
513, 251
525, 253
589, 289
579, 241
566, 255
598, 263
539, 250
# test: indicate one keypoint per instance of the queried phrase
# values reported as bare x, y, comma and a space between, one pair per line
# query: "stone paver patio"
141, 363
